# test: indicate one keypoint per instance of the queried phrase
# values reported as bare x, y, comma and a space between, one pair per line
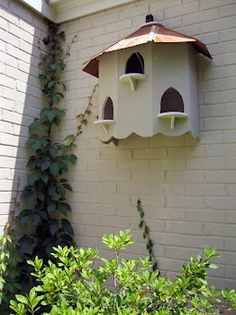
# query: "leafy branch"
146, 235
44, 197
70, 140
9, 258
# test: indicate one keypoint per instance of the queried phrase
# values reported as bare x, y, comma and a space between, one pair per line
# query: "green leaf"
51, 84
54, 169
32, 178
67, 227
53, 226
63, 207
69, 139
45, 178
22, 299
46, 40
62, 35
26, 216
61, 192
56, 99
53, 66
72, 158
67, 186
28, 195
45, 165
25, 244
51, 207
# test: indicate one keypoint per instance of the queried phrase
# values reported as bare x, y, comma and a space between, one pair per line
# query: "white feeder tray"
104, 123
132, 78
172, 116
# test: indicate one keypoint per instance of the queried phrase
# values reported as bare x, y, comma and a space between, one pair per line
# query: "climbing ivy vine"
146, 235
46, 210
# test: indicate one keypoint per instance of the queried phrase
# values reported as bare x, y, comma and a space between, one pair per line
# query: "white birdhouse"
148, 84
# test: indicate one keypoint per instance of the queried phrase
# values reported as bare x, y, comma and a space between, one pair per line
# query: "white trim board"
60, 11
41, 7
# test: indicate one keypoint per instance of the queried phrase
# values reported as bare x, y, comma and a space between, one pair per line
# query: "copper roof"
149, 32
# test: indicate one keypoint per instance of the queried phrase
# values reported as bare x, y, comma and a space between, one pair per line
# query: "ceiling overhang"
60, 11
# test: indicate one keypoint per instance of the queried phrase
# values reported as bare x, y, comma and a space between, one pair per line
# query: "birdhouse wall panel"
193, 91
135, 106
173, 68
108, 70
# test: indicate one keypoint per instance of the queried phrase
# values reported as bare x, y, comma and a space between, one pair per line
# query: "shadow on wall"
20, 98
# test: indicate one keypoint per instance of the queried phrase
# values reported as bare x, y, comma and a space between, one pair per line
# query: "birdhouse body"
135, 106
148, 84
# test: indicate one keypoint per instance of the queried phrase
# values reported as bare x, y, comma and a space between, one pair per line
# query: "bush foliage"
81, 282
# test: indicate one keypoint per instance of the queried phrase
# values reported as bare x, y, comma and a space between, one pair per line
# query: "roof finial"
149, 18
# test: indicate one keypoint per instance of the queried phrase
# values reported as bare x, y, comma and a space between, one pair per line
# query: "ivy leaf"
29, 196
69, 139
64, 86
62, 36
53, 66
79, 117
42, 77
51, 115
67, 186
46, 40
56, 99
141, 224
53, 226
33, 162
67, 227
25, 216
68, 239
40, 195
53, 151
43, 215
52, 189
25, 244
45, 178
63, 207
45, 165
63, 180
38, 128
51, 84
72, 158
54, 169
34, 143
32, 178
61, 192
62, 166
51, 207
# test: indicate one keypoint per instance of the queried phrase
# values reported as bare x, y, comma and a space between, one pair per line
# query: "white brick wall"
20, 31
187, 187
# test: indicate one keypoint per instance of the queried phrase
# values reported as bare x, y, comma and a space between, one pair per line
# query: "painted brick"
15, 109
184, 227
200, 241
201, 16
149, 154
214, 3
181, 10
227, 230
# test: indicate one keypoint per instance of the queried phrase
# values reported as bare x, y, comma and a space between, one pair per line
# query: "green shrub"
9, 280
81, 282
